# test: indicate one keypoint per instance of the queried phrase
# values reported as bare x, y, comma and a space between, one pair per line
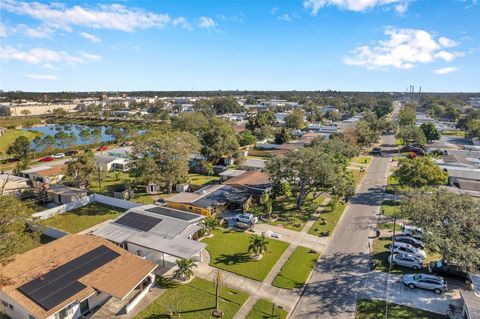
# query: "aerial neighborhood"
187, 159
247, 198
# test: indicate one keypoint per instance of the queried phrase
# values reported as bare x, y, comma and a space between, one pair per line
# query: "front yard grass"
83, 218
358, 176
263, 310
362, 160
390, 207
330, 216
375, 309
194, 300
229, 251
289, 216
295, 271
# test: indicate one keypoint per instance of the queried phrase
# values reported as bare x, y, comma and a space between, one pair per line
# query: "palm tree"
209, 224
258, 244
268, 202
185, 269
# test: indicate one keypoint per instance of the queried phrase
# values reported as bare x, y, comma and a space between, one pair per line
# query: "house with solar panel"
157, 233
73, 277
211, 200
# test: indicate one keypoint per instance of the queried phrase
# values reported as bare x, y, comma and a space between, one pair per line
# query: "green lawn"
83, 218
197, 179
375, 309
390, 207
263, 310
229, 251
288, 215
358, 176
12, 134
454, 133
111, 181
328, 220
295, 271
362, 160
195, 300
398, 142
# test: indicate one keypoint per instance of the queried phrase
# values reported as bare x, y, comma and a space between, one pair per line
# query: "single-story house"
71, 277
255, 183
464, 177
109, 163
252, 164
120, 152
11, 184
158, 233
44, 175
210, 200
63, 194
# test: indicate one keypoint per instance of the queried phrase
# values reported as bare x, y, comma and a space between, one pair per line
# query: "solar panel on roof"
172, 213
138, 221
62, 282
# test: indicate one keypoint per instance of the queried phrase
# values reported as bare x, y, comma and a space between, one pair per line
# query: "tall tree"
306, 170
283, 136
80, 169
85, 135
407, 116
411, 134
15, 235
451, 225
62, 140
219, 139
430, 131
295, 119
420, 172
20, 148
162, 157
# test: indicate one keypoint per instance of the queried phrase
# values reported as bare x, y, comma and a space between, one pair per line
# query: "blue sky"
360, 45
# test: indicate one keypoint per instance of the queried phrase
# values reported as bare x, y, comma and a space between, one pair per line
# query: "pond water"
98, 133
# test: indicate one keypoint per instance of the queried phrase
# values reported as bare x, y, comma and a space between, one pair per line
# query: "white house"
72, 277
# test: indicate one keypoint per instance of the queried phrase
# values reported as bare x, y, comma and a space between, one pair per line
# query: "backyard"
200, 180
83, 218
296, 270
375, 309
229, 251
288, 215
328, 219
263, 310
194, 300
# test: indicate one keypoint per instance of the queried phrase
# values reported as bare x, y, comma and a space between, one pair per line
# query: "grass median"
296, 270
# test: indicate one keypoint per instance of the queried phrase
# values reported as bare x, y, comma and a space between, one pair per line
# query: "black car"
443, 269
377, 151
417, 243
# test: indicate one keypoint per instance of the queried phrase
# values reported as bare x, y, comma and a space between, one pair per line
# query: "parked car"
246, 218
440, 267
70, 153
59, 155
102, 148
413, 149
399, 247
430, 282
406, 260
412, 231
377, 151
47, 159
410, 240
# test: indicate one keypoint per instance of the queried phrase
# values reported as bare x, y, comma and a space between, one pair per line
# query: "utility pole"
390, 264
99, 178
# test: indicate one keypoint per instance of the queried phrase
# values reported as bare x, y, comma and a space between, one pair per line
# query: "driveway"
375, 288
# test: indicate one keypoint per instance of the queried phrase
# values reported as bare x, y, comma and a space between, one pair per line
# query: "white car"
59, 155
400, 248
246, 218
406, 260
412, 231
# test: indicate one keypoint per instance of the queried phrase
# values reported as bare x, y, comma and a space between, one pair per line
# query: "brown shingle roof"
54, 170
248, 178
116, 278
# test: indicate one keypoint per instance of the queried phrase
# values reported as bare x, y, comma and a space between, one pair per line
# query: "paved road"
337, 279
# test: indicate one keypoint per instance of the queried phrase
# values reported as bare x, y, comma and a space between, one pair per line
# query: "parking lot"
376, 288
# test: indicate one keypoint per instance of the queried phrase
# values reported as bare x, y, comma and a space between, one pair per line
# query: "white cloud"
404, 49
113, 16
45, 57
183, 23
206, 22
90, 56
401, 8
90, 37
351, 5
446, 70
42, 76
447, 43
285, 17
3, 30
